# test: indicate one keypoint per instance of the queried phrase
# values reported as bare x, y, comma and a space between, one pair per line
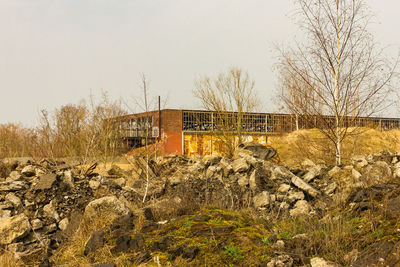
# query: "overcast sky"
55, 52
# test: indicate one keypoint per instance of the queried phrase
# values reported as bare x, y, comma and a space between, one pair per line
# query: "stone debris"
299, 183
261, 200
320, 262
14, 228
300, 208
44, 202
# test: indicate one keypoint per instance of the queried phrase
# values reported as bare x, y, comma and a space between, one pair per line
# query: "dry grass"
72, 252
7, 259
294, 147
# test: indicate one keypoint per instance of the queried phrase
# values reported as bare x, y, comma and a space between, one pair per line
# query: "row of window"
259, 123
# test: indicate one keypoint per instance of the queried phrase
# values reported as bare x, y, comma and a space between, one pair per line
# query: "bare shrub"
230, 95
16, 141
83, 131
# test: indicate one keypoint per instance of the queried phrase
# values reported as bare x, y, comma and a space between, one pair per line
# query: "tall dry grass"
295, 147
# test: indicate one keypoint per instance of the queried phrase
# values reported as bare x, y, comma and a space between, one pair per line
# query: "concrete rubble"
39, 201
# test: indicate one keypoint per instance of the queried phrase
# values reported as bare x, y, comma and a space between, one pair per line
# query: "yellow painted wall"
201, 144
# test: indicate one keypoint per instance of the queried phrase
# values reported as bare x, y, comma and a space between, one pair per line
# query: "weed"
233, 251
187, 224
265, 240
284, 235
377, 234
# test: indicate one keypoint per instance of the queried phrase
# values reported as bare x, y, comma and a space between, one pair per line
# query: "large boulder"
46, 181
256, 150
14, 228
377, 173
107, 207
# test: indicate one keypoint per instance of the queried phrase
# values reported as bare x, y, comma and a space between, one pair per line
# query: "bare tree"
339, 74
146, 108
230, 95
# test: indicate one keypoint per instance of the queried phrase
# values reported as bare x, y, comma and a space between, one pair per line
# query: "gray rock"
14, 176
295, 195
13, 199
284, 188
320, 262
397, 165
299, 183
49, 229
175, 180
279, 245
396, 173
120, 182
281, 261
197, 167
94, 185
12, 186
281, 172
95, 242
284, 206
5, 214
107, 207
240, 165
356, 174
46, 181
249, 158
49, 210
226, 167
258, 177
14, 228
212, 170
211, 160
330, 188
261, 200
377, 173
28, 171
256, 150
307, 164
359, 161
68, 178
63, 224
311, 174
105, 265
243, 180
334, 171
36, 224
300, 208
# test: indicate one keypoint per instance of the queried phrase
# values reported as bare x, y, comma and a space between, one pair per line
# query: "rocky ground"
208, 211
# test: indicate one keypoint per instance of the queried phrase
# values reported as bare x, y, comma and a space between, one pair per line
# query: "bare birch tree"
340, 73
146, 108
230, 95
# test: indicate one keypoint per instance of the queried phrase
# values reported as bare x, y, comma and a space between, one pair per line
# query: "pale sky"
55, 52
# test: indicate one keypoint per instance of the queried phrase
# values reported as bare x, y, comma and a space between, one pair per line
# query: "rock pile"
42, 203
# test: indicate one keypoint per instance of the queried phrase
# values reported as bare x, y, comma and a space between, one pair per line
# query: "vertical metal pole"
212, 131
159, 118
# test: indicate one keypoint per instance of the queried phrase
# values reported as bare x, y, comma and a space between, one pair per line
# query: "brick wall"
171, 125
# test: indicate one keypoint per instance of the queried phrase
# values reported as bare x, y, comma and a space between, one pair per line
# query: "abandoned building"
190, 132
